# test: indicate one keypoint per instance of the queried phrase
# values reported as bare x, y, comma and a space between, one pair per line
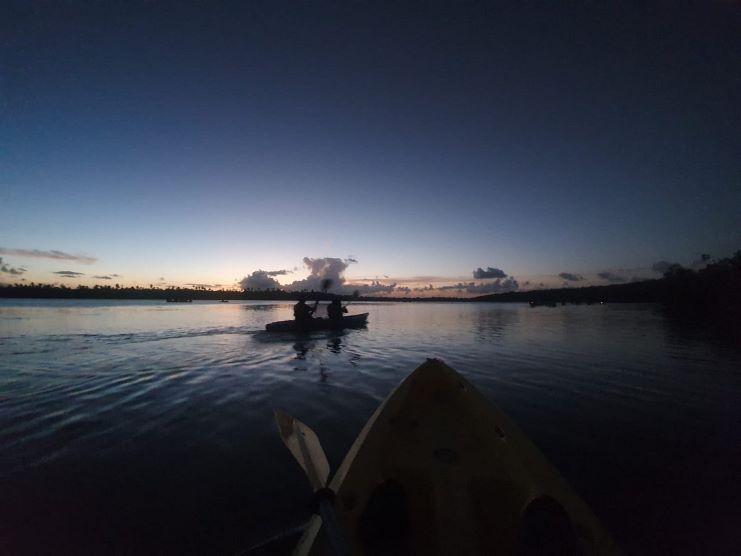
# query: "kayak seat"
383, 527
546, 530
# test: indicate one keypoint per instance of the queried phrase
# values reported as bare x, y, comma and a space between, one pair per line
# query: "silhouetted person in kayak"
301, 311
335, 309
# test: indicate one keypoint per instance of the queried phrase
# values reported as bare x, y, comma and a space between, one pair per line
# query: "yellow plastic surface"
467, 472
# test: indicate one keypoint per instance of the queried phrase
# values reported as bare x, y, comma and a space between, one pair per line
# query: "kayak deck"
439, 470
349, 321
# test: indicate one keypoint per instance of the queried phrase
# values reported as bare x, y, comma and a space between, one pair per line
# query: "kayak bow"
437, 469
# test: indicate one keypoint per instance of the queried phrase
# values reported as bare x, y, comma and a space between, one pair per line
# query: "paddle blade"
304, 444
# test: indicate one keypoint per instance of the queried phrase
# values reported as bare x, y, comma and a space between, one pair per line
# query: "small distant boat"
225, 301
350, 321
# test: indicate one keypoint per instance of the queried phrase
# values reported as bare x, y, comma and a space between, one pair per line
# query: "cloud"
68, 273
610, 277
259, 280
570, 277
38, 254
320, 269
324, 268
425, 288
497, 286
490, 272
162, 279
374, 287
5, 267
663, 266
108, 276
639, 279
702, 262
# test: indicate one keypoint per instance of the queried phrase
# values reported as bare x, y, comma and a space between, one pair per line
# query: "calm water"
146, 427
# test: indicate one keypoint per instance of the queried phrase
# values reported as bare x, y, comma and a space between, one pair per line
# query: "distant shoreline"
635, 292
648, 291
717, 288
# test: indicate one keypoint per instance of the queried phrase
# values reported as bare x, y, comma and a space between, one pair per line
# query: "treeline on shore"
50, 291
717, 286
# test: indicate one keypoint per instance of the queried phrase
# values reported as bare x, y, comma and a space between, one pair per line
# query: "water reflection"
622, 399
265, 307
334, 344
302, 348
490, 325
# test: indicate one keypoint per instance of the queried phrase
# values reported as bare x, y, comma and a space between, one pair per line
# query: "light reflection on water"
147, 426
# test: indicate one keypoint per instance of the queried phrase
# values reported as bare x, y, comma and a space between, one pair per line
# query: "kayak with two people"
304, 319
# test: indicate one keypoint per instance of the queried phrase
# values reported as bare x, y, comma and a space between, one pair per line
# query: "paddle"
303, 443
326, 284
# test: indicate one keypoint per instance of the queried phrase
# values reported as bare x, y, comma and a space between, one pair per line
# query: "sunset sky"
196, 143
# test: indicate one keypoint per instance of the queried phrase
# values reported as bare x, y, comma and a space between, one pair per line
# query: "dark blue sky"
203, 141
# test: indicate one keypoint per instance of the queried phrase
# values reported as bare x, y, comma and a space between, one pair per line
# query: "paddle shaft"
332, 529
304, 445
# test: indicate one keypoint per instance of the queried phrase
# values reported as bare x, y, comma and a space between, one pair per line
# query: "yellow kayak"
438, 470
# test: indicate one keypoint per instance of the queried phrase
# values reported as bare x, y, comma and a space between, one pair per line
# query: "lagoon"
146, 427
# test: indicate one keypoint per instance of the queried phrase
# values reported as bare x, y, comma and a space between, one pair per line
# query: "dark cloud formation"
570, 277
333, 269
259, 280
39, 254
663, 266
610, 277
68, 273
103, 277
5, 267
701, 262
425, 288
490, 272
324, 268
639, 279
497, 286
320, 269
374, 287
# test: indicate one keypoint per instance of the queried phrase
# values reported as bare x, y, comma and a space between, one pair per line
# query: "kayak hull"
350, 321
439, 470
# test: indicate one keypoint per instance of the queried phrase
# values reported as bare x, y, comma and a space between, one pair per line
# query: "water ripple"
180, 400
